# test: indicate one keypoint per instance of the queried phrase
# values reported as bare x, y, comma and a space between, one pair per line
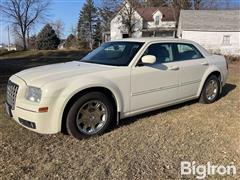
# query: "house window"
226, 40
157, 20
125, 35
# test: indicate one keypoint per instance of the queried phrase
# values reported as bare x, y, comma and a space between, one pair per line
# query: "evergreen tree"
47, 38
71, 41
87, 23
98, 33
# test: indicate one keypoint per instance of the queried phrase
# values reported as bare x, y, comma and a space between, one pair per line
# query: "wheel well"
217, 74
73, 99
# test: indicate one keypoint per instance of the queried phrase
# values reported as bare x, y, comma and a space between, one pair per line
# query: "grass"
148, 146
42, 54
20, 60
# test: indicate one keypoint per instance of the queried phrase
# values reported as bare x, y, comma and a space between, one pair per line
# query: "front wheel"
211, 90
90, 115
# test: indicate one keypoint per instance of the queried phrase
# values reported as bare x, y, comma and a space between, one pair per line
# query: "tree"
156, 3
209, 4
182, 4
106, 11
32, 42
197, 4
98, 33
71, 41
86, 23
58, 27
47, 38
127, 16
178, 5
23, 14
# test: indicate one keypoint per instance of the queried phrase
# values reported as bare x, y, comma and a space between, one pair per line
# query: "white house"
148, 21
216, 30
10, 47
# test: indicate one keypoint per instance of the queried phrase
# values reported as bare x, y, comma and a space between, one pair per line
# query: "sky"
65, 10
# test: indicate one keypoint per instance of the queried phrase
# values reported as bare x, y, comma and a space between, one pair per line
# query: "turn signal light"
43, 109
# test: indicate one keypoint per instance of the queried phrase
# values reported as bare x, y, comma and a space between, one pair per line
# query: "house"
62, 44
10, 47
216, 30
146, 22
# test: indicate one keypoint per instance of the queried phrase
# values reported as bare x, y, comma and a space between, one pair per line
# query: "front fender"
74, 88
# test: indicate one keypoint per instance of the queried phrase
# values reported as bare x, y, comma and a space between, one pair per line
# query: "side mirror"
148, 59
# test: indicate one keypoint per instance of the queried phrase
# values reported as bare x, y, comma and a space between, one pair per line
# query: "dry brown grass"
150, 146
232, 58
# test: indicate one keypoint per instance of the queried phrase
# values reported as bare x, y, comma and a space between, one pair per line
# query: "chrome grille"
12, 90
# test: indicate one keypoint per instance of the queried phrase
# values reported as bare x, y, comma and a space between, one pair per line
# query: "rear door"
192, 65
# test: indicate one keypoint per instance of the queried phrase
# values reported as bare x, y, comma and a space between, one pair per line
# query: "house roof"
147, 13
210, 20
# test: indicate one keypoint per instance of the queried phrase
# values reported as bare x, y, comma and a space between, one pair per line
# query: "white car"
117, 80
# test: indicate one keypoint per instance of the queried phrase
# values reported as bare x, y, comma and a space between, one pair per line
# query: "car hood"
39, 76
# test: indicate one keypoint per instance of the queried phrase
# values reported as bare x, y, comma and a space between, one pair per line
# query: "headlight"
34, 94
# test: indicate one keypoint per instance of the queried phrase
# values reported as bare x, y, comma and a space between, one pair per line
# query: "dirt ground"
149, 146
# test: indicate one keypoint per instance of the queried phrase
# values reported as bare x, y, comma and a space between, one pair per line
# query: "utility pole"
9, 38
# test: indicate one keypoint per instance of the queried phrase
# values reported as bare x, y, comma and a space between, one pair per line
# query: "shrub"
232, 58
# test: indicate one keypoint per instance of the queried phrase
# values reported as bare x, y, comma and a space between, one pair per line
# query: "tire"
205, 98
83, 117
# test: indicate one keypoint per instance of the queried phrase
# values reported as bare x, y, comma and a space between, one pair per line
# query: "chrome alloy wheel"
91, 117
211, 90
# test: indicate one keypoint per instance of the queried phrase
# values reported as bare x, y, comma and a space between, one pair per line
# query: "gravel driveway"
149, 146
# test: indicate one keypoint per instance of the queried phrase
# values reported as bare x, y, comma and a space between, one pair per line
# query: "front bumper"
26, 113
38, 122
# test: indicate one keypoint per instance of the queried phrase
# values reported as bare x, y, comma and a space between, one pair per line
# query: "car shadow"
226, 90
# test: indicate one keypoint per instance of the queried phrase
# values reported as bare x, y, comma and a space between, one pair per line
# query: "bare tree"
127, 16
106, 11
73, 30
58, 27
23, 14
209, 4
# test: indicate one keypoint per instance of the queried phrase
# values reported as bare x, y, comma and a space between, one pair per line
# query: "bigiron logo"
209, 169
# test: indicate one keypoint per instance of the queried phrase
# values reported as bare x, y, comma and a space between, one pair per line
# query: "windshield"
114, 53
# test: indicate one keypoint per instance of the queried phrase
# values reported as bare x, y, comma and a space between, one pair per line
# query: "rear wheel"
90, 115
211, 90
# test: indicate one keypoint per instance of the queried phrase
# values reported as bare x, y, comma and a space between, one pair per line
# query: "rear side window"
187, 52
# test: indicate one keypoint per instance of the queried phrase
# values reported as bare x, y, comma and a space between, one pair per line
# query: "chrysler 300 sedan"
119, 79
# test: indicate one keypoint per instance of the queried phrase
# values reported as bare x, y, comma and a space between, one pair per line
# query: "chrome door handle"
205, 63
173, 68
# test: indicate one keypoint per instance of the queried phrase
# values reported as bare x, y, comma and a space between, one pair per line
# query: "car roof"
167, 40
154, 39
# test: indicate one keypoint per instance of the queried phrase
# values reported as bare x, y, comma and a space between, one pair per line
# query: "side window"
226, 40
187, 52
157, 20
162, 52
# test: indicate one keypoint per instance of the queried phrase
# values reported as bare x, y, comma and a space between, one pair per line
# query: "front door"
156, 84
